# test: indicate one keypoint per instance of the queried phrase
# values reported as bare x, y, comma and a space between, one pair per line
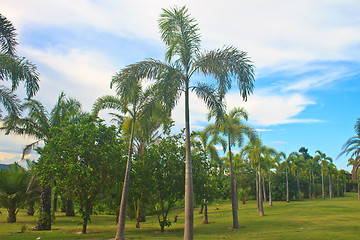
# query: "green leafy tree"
183, 60
37, 124
297, 167
164, 161
15, 187
15, 69
84, 156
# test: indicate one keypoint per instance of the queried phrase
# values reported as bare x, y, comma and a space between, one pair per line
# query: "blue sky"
306, 53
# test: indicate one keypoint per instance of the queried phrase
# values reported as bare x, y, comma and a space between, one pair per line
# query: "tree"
271, 161
352, 147
15, 187
183, 59
84, 156
323, 160
15, 69
231, 126
139, 104
38, 124
297, 167
164, 163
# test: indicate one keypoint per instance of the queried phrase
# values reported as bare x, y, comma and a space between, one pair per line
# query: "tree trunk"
55, 202
83, 230
205, 217
234, 201
120, 233
287, 185
310, 186
322, 181
11, 215
298, 185
189, 191
257, 191
264, 189
261, 208
30, 211
313, 182
330, 187
70, 208
270, 194
44, 222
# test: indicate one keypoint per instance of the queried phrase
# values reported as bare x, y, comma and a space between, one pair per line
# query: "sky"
306, 55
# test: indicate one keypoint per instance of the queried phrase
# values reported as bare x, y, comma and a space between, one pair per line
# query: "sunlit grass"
337, 218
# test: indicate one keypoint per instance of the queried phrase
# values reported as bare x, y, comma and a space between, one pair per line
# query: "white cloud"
266, 109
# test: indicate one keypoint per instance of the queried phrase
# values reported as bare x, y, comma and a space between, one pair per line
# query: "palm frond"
10, 101
7, 36
107, 102
225, 64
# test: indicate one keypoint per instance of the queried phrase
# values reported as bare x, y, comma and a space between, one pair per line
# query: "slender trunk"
310, 186
189, 191
261, 208
337, 187
270, 194
330, 186
257, 191
287, 185
30, 211
264, 189
11, 215
55, 202
313, 182
70, 208
44, 222
322, 181
120, 233
234, 201
205, 217
298, 185
202, 208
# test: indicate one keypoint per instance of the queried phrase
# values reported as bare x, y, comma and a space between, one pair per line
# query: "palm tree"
183, 59
14, 68
287, 162
232, 127
354, 172
15, 186
38, 124
139, 105
297, 167
272, 159
323, 160
352, 147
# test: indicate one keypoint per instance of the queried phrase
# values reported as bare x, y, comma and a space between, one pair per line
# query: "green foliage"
82, 158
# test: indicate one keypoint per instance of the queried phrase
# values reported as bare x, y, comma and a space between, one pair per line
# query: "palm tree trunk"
322, 181
189, 191
310, 186
257, 191
287, 185
313, 182
120, 233
44, 222
337, 188
261, 208
205, 218
270, 194
11, 215
298, 185
234, 201
330, 186
264, 189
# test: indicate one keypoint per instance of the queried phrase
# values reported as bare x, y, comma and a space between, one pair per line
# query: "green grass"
337, 218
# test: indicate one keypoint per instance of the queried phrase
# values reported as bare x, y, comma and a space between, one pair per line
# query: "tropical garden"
135, 169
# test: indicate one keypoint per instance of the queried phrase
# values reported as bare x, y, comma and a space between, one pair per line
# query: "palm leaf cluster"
15, 69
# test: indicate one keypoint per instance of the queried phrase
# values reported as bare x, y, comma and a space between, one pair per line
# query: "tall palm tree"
15, 69
38, 124
297, 167
271, 161
331, 170
139, 105
231, 126
323, 160
287, 162
352, 147
183, 59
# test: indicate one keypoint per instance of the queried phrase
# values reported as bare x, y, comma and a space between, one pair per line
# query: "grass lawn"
337, 218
